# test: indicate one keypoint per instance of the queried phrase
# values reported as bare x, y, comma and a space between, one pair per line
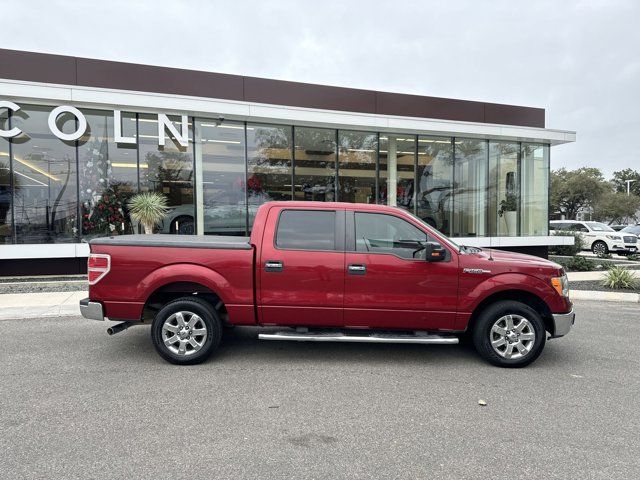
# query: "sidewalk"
577, 276
41, 304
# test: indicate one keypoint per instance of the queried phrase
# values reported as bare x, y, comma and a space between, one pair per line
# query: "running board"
372, 338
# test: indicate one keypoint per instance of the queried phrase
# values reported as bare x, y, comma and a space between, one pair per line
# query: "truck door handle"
273, 266
357, 269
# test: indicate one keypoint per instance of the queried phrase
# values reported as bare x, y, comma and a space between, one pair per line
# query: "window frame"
339, 231
351, 237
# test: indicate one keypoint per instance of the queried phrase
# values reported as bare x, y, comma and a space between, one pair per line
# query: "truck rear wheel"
186, 331
509, 334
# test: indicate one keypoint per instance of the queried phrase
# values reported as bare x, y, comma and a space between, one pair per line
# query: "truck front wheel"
186, 331
509, 334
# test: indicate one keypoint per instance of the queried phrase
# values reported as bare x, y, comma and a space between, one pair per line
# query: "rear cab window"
310, 230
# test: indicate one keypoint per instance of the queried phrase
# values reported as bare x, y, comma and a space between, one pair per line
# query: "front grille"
630, 239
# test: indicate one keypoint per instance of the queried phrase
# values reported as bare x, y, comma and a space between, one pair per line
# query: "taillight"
98, 266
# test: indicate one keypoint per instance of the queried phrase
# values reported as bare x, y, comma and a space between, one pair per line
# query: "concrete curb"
605, 296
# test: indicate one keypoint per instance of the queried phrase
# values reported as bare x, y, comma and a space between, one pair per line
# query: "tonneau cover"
176, 241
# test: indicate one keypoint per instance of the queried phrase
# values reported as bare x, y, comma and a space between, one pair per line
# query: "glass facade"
6, 216
470, 188
220, 166
216, 173
434, 182
315, 164
107, 175
45, 179
397, 170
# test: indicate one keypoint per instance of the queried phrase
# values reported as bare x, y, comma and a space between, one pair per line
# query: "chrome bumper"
562, 323
91, 310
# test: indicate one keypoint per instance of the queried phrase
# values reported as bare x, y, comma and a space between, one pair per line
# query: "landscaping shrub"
569, 250
633, 257
621, 278
578, 264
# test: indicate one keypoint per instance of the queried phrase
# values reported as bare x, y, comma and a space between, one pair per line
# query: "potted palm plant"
149, 209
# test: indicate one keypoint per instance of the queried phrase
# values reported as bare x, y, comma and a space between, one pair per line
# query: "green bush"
605, 255
634, 257
569, 250
621, 279
578, 264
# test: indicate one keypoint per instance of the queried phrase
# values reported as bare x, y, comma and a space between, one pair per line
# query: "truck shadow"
241, 345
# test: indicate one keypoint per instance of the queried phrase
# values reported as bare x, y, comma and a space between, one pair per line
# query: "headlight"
613, 237
561, 285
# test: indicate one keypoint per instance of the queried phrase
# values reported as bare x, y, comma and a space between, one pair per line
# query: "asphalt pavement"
76, 403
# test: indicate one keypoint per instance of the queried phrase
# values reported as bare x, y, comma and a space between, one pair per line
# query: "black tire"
482, 333
186, 225
210, 341
599, 248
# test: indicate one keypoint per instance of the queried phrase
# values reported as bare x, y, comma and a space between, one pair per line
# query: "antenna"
490, 252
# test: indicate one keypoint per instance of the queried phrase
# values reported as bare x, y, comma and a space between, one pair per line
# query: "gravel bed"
43, 278
594, 285
24, 287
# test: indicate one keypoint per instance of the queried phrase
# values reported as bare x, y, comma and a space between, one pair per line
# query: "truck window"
380, 233
307, 230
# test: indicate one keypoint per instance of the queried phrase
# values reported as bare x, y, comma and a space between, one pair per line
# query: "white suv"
598, 237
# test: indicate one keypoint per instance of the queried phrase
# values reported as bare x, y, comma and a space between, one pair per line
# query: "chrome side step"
370, 338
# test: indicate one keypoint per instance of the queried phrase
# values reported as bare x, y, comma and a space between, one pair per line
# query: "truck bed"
176, 241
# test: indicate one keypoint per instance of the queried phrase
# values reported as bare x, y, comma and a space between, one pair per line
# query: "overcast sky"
580, 60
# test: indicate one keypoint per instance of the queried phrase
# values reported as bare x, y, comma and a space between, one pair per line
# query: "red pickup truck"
328, 272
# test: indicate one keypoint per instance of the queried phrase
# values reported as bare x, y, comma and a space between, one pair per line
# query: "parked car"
632, 229
617, 228
598, 237
338, 272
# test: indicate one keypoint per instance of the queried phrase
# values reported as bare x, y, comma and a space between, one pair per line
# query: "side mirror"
434, 252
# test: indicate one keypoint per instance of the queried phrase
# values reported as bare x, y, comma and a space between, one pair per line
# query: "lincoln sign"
181, 137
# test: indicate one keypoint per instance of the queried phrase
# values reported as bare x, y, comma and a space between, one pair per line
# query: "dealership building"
79, 137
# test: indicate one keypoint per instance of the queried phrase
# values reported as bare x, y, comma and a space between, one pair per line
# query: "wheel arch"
523, 296
177, 289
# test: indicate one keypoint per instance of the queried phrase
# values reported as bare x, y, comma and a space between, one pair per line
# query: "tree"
574, 190
619, 181
616, 207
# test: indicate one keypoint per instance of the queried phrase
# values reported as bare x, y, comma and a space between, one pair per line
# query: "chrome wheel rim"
512, 336
184, 333
599, 248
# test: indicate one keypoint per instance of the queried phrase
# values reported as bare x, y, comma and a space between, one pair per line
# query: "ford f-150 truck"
328, 272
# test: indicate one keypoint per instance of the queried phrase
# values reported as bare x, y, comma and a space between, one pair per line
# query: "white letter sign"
69, 137
164, 122
117, 129
15, 131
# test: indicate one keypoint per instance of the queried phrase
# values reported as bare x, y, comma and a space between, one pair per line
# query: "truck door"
301, 267
385, 286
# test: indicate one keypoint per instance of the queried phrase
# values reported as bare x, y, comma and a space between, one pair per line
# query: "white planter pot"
511, 220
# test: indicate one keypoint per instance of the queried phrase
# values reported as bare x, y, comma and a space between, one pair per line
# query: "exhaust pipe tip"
119, 327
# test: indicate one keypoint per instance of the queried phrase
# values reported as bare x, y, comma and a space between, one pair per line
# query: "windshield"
632, 229
599, 227
450, 242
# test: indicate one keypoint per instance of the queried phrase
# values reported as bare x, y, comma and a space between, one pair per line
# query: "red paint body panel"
137, 272
308, 291
314, 289
400, 293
